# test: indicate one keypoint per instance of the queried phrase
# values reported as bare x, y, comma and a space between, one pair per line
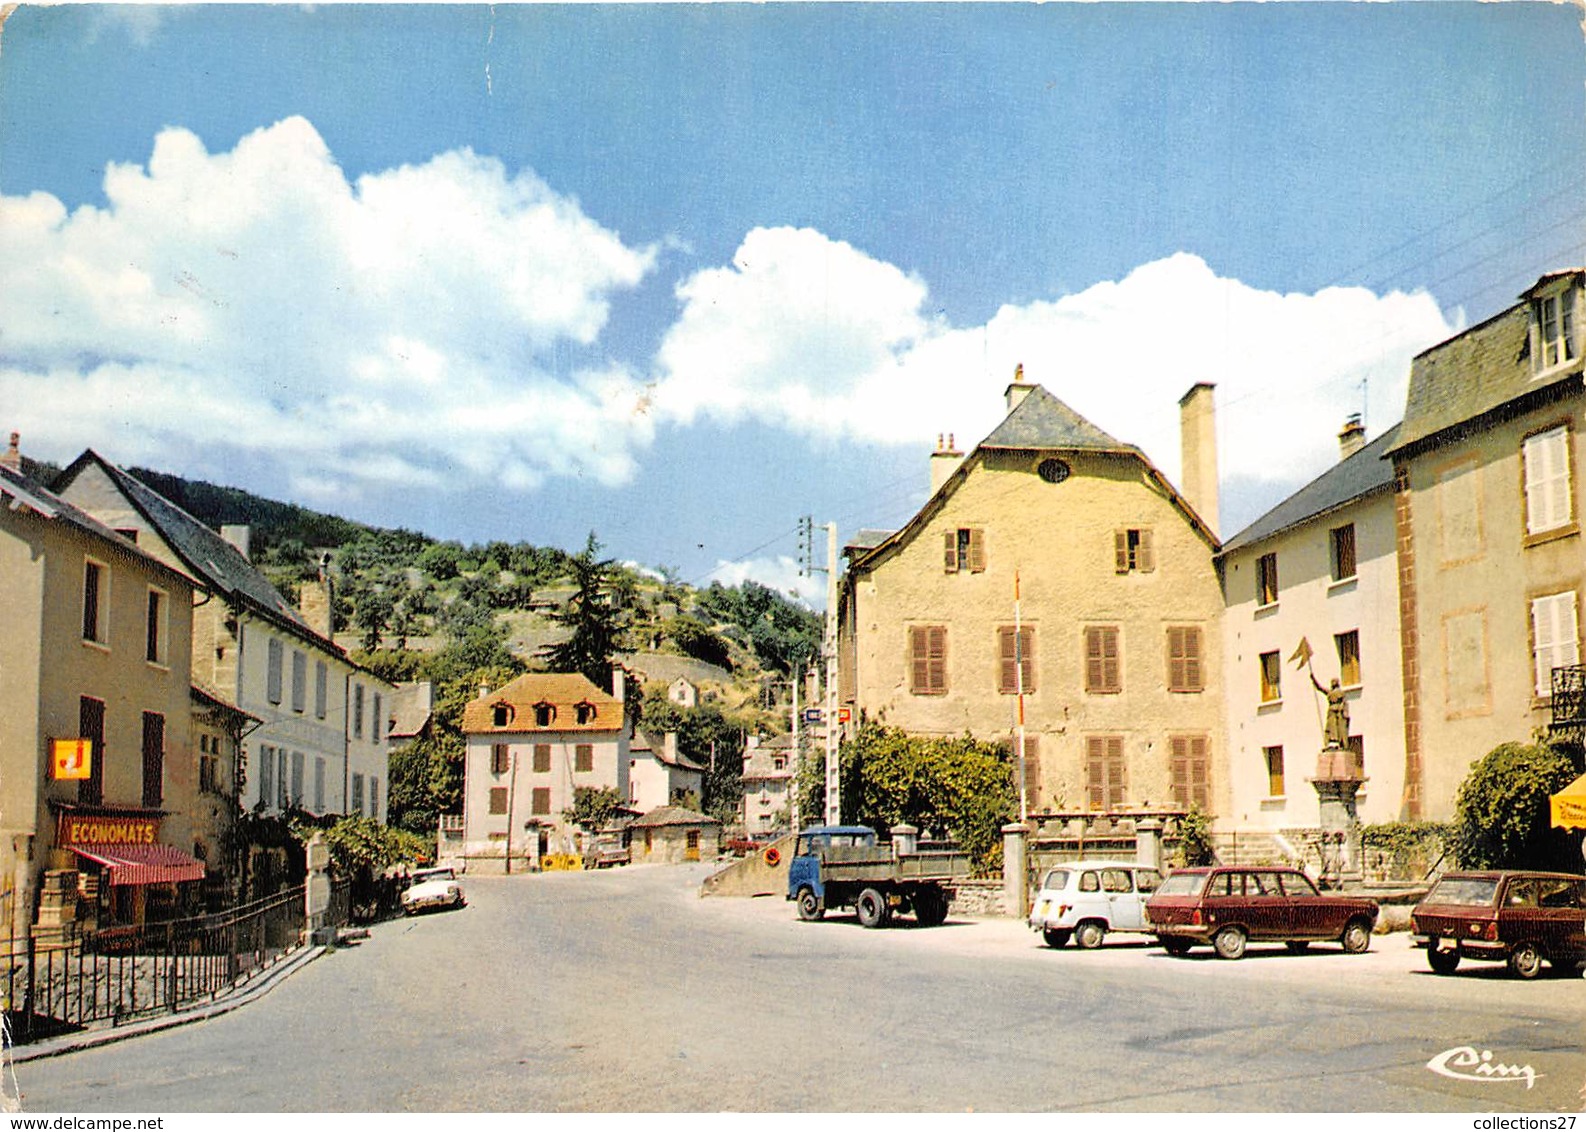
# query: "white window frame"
1555, 636
1553, 326
1549, 502
101, 626
161, 628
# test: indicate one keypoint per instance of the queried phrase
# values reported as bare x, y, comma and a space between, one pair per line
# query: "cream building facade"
1117, 646
1491, 563
770, 775
658, 774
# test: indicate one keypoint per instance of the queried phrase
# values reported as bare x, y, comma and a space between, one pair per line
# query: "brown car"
1229, 907
1520, 918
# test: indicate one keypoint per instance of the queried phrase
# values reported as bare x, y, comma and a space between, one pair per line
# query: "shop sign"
91, 831
71, 758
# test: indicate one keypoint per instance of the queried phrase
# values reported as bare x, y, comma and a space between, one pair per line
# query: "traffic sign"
812, 715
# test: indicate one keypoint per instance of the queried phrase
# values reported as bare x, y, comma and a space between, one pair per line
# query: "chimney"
619, 683
315, 601
944, 461
670, 746
1018, 391
13, 455
1198, 451
239, 535
1352, 438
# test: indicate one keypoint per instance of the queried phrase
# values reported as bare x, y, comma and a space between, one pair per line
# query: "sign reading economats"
91, 830
71, 758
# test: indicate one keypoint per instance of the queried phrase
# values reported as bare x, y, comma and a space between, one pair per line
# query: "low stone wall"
752, 875
980, 898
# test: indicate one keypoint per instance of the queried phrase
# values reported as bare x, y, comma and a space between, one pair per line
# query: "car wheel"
1356, 938
1089, 935
1055, 937
1443, 962
1230, 943
1298, 946
1174, 946
1525, 960
872, 909
809, 905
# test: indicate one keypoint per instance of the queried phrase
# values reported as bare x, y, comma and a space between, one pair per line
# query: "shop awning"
145, 864
1569, 805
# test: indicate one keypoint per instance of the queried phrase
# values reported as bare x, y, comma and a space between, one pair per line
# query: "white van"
1084, 900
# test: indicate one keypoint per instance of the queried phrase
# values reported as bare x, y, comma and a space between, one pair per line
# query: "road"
624, 991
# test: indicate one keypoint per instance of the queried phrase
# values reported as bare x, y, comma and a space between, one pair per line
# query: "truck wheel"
809, 905
930, 909
1088, 936
872, 909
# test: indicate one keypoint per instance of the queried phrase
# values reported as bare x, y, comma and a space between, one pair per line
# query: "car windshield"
1183, 884
1056, 879
1464, 890
432, 875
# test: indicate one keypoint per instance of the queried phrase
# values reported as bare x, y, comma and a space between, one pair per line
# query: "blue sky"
682, 274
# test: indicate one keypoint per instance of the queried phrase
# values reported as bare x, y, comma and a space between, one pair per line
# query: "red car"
1518, 918
1230, 907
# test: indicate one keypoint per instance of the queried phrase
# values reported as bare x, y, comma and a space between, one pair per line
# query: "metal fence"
122, 974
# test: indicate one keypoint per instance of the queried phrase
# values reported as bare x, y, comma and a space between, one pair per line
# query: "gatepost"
1015, 882
1148, 843
316, 893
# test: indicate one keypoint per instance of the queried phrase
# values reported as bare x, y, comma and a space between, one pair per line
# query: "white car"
432, 888
1084, 900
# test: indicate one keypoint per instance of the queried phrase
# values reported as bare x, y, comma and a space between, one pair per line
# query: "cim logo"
1465, 1063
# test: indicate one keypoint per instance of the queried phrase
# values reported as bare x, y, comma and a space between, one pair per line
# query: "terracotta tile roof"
671, 815
563, 691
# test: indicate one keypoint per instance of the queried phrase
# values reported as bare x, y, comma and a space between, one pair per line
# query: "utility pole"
1018, 671
833, 775
798, 752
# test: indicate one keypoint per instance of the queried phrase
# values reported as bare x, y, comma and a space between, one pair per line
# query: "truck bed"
878, 865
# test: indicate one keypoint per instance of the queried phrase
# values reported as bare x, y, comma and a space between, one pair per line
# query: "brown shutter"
1200, 773
1180, 772
1032, 767
977, 550
1007, 645
498, 799
1095, 770
919, 666
1093, 661
1193, 680
950, 551
1116, 786
1120, 551
1145, 553
937, 639
1028, 657
542, 757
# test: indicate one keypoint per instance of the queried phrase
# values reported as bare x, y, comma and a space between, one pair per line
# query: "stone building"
770, 775
672, 835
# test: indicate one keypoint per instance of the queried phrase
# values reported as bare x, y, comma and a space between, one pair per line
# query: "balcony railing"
1569, 700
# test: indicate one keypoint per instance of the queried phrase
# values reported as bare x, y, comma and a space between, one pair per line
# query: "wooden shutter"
950, 551
1101, 659
1190, 771
499, 760
1145, 552
542, 757
927, 659
542, 800
498, 799
1115, 772
1032, 766
977, 550
1120, 551
1014, 647
153, 758
1095, 771
1184, 658
584, 758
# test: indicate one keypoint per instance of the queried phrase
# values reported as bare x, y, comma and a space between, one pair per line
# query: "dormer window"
585, 711
1553, 322
501, 714
544, 714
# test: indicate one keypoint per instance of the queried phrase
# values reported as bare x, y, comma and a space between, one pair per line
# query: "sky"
682, 274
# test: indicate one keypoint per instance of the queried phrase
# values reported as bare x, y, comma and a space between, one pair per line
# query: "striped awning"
145, 864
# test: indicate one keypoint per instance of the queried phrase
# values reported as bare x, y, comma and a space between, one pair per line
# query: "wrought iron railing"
1569, 699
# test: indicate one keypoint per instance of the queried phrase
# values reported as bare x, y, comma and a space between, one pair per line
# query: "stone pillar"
1015, 869
316, 893
1336, 784
905, 840
1148, 842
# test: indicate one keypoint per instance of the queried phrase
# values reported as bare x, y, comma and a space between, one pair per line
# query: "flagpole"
1018, 670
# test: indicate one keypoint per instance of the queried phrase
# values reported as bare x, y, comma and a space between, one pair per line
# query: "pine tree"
597, 626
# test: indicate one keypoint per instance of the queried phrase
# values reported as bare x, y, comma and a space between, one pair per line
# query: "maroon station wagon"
1228, 907
1520, 918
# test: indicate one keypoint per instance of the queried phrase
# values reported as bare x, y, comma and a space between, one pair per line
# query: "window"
1547, 486
544, 714
501, 714
928, 660
96, 603
297, 778
1101, 659
500, 759
1267, 579
1274, 759
356, 807
963, 550
377, 721
357, 711
1104, 771
319, 785
779, 763
209, 763
374, 796
1184, 673
542, 758
541, 802
321, 688
498, 799
1343, 539
583, 758
1357, 755
1553, 317
91, 726
1132, 551
1016, 651
1190, 771
266, 775
272, 672
154, 628
1555, 642
299, 681
585, 712
153, 759
281, 783
1271, 677
1348, 645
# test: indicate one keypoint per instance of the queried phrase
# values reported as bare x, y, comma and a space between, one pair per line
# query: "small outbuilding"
672, 835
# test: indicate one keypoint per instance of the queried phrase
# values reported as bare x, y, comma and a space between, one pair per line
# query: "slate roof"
562, 690
221, 567
1476, 372
642, 741
1365, 473
1041, 421
671, 815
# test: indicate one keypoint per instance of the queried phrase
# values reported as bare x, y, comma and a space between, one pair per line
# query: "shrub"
1501, 812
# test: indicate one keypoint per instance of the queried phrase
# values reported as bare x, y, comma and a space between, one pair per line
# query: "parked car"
432, 888
1230, 907
1084, 900
1514, 917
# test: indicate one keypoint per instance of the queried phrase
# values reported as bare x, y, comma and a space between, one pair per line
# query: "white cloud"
780, 573
397, 329
814, 335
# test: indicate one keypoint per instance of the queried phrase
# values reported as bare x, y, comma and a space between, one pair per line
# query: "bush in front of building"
1501, 818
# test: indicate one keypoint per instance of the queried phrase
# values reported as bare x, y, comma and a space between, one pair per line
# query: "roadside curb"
71, 1043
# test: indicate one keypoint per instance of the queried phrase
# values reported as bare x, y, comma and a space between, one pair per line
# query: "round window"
1053, 471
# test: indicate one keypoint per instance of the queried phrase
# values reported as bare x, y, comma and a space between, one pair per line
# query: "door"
1311, 915
1266, 908
1123, 902
1561, 912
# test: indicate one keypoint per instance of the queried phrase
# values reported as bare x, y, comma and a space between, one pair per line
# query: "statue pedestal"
1336, 784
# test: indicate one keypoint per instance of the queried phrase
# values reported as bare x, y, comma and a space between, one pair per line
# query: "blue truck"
842, 866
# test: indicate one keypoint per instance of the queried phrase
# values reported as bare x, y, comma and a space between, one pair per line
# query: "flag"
1302, 654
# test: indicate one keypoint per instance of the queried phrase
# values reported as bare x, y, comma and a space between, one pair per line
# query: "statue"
1336, 730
